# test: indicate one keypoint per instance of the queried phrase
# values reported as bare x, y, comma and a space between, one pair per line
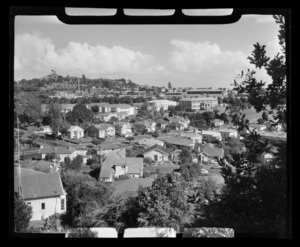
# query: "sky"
185, 55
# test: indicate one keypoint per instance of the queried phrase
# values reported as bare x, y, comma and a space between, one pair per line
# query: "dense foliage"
22, 214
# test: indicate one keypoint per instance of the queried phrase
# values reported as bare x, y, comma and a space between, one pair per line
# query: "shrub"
148, 160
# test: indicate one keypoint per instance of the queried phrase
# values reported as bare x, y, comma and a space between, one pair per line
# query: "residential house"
123, 129
75, 132
67, 108
218, 122
175, 126
161, 124
106, 116
210, 153
146, 143
157, 153
83, 152
196, 138
115, 166
145, 125
44, 192
211, 134
227, 133
62, 152
94, 131
106, 148
184, 122
257, 127
105, 130
45, 129
178, 141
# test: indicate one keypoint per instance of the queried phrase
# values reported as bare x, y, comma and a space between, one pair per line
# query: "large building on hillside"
158, 104
204, 103
206, 92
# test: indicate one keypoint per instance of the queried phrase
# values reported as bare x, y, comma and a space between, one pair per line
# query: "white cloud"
39, 54
189, 57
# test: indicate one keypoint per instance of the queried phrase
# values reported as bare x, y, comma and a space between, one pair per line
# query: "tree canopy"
22, 214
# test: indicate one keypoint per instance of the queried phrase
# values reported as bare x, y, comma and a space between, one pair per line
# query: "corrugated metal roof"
156, 147
38, 184
135, 165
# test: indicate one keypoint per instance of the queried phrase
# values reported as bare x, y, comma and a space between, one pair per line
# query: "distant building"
214, 134
173, 94
145, 125
205, 103
218, 122
158, 104
227, 133
178, 141
62, 152
207, 92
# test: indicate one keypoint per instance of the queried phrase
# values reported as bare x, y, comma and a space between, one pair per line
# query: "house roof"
85, 125
38, 184
212, 151
157, 148
135, 165
180, 141
161, 121
57, 150
103, 126
190, 135
199, 99
75, 128
217, 120
149, 142
176, 119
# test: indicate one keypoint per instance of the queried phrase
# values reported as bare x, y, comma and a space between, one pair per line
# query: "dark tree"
95, 108
76, 163
265, 116
155, 134
22, 214
51, 156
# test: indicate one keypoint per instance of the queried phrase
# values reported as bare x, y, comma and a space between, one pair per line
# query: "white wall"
52, 206
160, 156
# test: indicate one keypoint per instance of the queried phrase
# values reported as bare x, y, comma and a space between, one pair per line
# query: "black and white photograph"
150, 130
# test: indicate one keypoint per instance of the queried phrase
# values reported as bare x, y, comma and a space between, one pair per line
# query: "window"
43, 205
62, 201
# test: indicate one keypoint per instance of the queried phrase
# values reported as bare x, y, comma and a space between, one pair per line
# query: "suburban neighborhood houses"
126, 147
123, 132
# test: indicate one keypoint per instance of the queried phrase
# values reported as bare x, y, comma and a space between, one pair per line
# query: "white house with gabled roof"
44, 192
75, 132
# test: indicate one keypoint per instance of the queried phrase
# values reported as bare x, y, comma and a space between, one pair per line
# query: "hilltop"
54, 80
